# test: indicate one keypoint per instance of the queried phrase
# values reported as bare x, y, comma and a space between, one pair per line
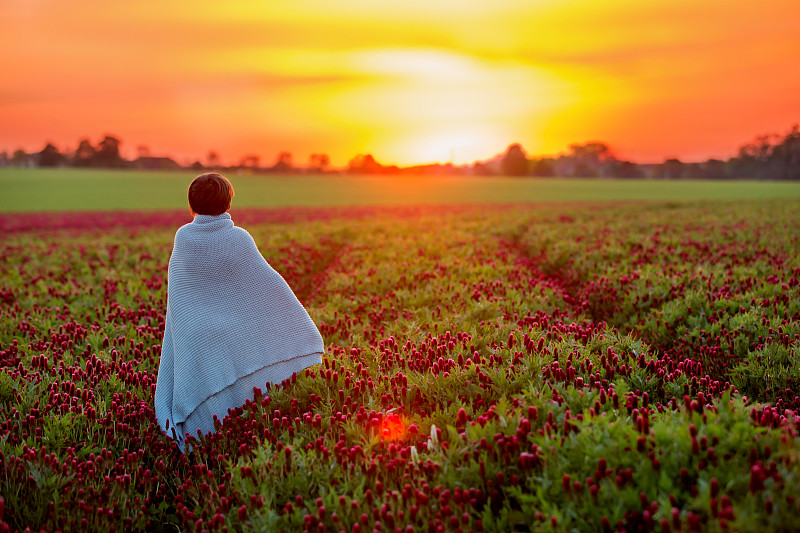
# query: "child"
232, 322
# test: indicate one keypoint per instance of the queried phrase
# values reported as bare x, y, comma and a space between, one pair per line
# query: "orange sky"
410, 82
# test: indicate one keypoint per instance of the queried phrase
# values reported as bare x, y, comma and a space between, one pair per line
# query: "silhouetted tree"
713, 169
514, 162
759, 150
625, 169
769, 157
284, 162
19, 158
84, 154
593, 153
542, 168
584, 169
364, 164
591, 159
212, 159
318, 162
50, 156
673, 169
785, 157
481, 169
250, 161
107, 154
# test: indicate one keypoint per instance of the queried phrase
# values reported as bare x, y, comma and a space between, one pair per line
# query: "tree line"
106, 154
769, 157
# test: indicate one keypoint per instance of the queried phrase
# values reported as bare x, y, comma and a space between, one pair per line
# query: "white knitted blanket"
230, 319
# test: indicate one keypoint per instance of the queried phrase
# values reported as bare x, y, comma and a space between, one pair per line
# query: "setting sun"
429, 105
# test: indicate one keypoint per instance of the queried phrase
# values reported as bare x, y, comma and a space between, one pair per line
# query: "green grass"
26, 190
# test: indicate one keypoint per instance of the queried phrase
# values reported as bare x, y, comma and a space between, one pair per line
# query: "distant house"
155, 163
22, 160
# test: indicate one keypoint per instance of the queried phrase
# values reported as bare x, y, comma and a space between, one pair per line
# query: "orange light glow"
411, 82
392, 427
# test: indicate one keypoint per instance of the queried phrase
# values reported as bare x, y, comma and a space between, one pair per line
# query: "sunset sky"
410, 82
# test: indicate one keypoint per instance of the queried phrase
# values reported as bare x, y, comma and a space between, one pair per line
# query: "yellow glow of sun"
429, 105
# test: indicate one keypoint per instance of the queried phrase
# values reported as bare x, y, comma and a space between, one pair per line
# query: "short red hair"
210, 194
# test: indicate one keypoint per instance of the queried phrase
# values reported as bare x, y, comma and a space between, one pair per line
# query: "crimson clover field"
588, 367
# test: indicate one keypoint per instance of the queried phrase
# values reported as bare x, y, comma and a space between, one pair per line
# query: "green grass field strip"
31, 190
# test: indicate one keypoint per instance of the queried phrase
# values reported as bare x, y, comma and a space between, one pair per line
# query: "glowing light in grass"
392, 427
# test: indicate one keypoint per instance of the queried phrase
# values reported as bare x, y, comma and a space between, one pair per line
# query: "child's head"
210, 194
